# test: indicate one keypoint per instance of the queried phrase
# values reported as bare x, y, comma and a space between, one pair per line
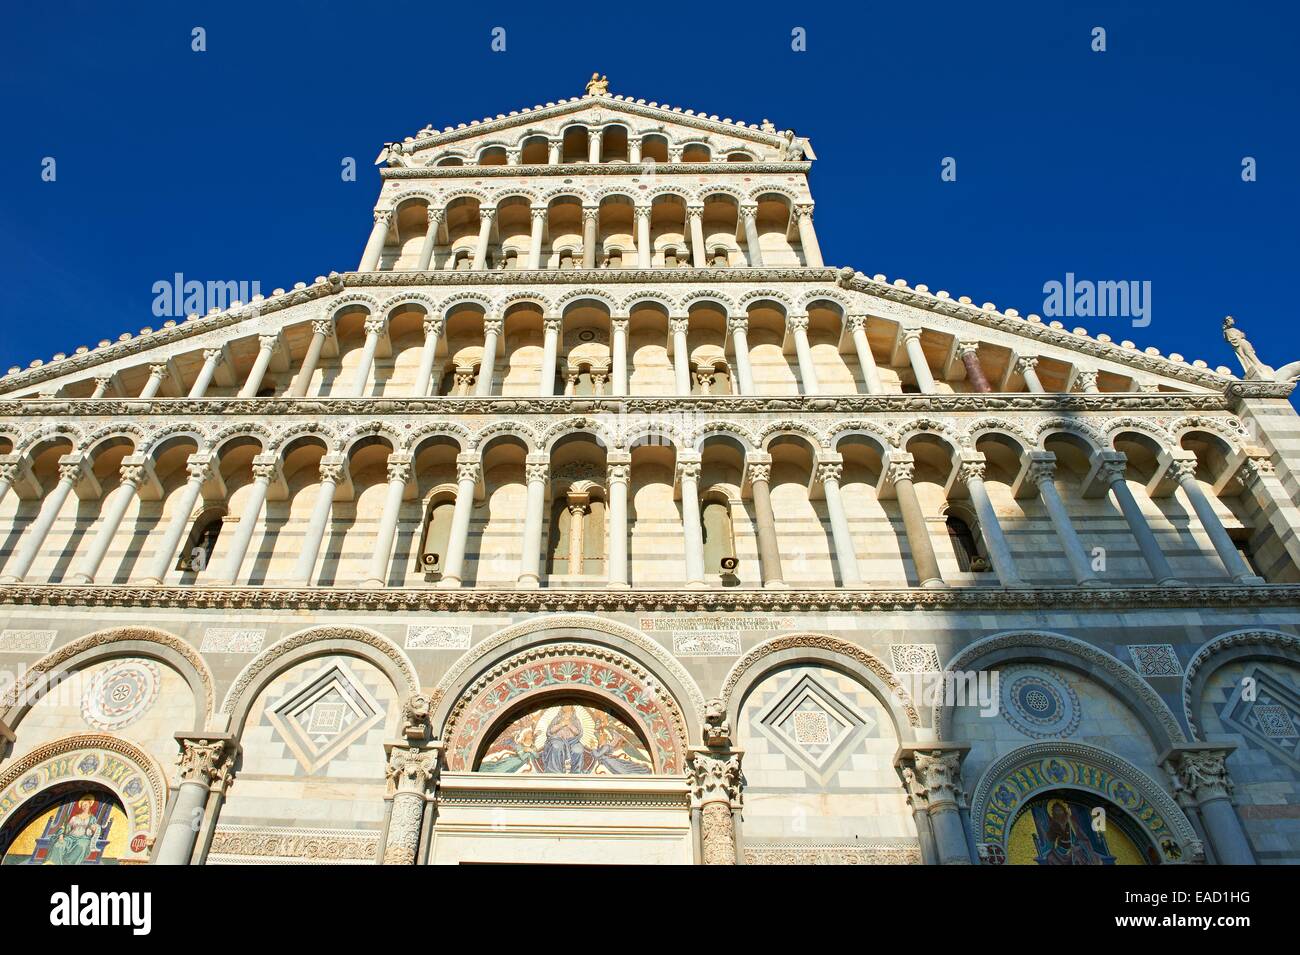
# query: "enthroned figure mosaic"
72, 826
1061, 830
567, 737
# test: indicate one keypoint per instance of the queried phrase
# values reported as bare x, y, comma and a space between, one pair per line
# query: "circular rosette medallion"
1038, 703
120, 694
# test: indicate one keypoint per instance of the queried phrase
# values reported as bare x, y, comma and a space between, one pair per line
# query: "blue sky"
1123, 165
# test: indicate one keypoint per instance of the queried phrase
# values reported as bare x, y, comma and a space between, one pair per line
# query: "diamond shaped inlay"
814, 725
323, 716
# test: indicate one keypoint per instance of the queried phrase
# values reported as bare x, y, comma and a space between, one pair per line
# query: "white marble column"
375, 244
467, 470
102, 383
266, 468
698, 253
644, 249
399, 474
971, 473
619, 473
205, 763
156, 375
538, 216
916, 355
487, 369
374, 327
537, 470
9, 470
265, 349
803, 352
1182, 468
758, 472
681, 355
428, 351
1111, 467
738, 325
553, 147
1087, 382
1041, 474
688, 473
619, 326
753, 249
200, 467
866, 360
594, 138
320, 331
715, 781
485, 220
812, 251
590, 219
633, 149
211, 359
550, 354
433, 218
1199, 771
1026, 365
898, 477
829, 472
135, 470
72, 467
331, 473
933, 774
412, 771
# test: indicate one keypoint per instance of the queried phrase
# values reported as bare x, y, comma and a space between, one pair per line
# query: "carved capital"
374, 325
714, 777
830, 471
679, 325
1026, 363
932, 776
688, 471
798, 323
384, 216
1200, 772
205, 759
331, 471
411, 768
432, 327
466, 471
971, 471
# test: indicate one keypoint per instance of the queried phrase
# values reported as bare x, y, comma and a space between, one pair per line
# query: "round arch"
577, 630
115, 642
359, 642
1040, 768
1045, 646
848, 658
125, 770
1252, 643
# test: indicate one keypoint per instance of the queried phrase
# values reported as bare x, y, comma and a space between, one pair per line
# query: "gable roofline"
919, 297
617, 103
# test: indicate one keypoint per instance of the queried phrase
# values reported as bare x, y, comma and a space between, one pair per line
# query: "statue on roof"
598, 85
395, 154
1254, 368
796, 147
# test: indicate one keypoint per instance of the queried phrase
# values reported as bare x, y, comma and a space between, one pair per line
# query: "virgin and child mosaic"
570, 737
1061, 831
80, 827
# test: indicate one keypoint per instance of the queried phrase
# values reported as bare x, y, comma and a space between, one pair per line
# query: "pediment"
640, 116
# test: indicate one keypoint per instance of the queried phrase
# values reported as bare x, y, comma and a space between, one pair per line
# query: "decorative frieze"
232, 640
438, 636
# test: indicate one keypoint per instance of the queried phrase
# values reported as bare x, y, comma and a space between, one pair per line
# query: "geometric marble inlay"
1266, 707
814, 725
914, 657
120, 694
322, 717
1155, 659
1038, 703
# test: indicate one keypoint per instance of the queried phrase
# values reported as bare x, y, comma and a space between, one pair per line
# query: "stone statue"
1250, 363
415, 716
598, 85
395, 155
717, 728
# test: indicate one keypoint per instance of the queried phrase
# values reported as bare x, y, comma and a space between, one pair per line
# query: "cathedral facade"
595, 517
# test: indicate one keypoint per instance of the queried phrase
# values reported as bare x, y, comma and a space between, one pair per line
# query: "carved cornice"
1129, 402
569, 170
1024, 599
1015, 325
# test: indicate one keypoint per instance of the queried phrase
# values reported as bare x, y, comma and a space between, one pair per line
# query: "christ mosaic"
568, 737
